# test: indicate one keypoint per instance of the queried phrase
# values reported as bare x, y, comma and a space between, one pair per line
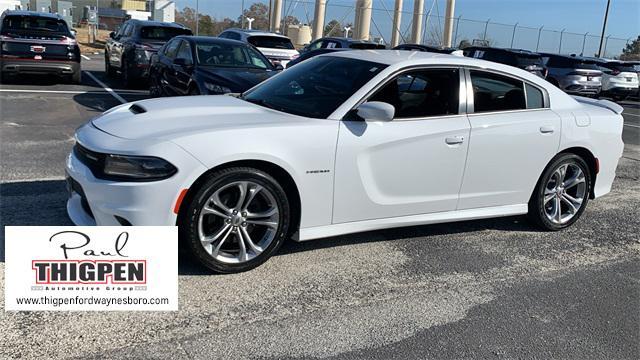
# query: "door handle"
546, 129
454, 140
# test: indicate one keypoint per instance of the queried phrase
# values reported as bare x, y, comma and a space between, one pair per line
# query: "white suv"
277, 48
619, 79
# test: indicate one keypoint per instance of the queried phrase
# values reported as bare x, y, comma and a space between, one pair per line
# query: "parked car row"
173, 62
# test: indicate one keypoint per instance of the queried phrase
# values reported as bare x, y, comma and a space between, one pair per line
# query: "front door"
411, 165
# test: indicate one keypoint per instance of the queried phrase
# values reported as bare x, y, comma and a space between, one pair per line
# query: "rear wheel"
561, 194
236, 220
108, 69
76, 78
127, 75
155, 89
194, 91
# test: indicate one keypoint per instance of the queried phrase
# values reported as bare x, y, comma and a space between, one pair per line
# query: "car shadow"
43, 203
43, 80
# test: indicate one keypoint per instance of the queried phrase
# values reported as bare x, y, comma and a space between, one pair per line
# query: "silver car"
574, 74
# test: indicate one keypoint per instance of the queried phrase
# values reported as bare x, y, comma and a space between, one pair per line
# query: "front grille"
77, 188
91, 159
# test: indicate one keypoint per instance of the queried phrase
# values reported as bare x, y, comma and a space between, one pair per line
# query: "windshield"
162, 32
273, 42
34, 24
230, 55
316, 87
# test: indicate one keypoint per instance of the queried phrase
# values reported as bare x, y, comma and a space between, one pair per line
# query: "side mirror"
112, 35
74, 32
376, 111
279, 67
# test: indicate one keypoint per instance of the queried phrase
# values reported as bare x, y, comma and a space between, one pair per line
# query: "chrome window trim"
470, 106
462, 96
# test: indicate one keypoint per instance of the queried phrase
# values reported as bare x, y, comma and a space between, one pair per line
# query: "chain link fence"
465, 29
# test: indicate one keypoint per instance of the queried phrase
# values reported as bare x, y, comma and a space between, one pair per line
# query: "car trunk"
36, 38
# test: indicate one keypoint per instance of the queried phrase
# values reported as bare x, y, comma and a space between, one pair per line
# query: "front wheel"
561, 194
236, 220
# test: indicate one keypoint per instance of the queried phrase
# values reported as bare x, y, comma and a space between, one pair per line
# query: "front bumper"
61, 68
94, 201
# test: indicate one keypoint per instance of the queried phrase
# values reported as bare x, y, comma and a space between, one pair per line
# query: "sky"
576, 16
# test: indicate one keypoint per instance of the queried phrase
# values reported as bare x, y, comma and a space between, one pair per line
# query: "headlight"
137, 167
215, 88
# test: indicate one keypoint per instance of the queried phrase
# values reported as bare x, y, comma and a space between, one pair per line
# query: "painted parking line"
632, 125
624, 113
108, 89
73, 92
85, 57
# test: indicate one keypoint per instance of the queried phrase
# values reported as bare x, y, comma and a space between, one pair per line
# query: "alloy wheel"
564, 193
238, 222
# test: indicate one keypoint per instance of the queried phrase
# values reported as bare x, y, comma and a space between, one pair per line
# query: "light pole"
197, 16
250, 20
346, 31
604, 28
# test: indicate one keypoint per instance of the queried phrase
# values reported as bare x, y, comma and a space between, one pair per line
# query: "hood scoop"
137, 109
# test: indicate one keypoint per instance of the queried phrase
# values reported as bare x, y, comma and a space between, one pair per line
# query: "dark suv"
523, 59
38, 43
129, 50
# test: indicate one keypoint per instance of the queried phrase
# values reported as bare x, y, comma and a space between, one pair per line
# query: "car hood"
170, 118
237, 79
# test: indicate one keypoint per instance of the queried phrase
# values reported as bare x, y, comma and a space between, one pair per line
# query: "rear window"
32, 24
273, 42
162, 32
569, 63
364, 46
620, 67
526, 60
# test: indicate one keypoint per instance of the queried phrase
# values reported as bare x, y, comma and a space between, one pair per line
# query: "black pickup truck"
38, 43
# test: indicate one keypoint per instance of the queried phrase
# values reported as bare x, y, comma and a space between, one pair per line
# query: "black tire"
537, 210
155, 89
108, 69
127, 76
194, 91
189, 218
76, 78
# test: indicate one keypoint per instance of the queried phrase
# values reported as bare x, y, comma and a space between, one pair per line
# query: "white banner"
91, 268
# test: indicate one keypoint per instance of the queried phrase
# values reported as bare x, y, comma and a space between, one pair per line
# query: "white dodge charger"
342, 143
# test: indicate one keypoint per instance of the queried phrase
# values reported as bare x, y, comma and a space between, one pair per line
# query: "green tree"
631, 51
333, 28
259, 12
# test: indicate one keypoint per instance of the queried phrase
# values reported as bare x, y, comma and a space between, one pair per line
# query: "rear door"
514, 134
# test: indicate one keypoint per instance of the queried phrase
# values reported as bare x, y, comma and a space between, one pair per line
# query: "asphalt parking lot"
494, 288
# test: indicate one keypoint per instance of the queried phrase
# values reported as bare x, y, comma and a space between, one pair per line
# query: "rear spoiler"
601, 103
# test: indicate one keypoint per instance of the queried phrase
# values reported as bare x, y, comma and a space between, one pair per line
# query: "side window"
172, 49
332, 45
233, 35
224, 35
422, 93
535, 99
493, 92
185, 52
314, 45
128, 30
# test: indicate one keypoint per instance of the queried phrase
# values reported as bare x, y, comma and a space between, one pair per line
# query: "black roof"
510, 50
211, 39
156, 23
31, 13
